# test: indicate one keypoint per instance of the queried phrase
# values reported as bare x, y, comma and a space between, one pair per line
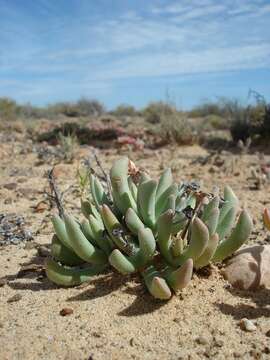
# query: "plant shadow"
31, 270
113, 281
103, 285
144, 303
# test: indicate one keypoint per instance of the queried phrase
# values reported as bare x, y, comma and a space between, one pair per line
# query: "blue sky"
122, 51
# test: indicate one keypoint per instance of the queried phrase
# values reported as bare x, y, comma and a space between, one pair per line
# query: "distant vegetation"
10, 110
243, 121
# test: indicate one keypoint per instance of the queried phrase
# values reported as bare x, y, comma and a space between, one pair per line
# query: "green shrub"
175, 127
265, 129
239, 119
8, 109
216, 122
88, 107
28, 111
249, 121
125, 110
156, 110
82, 107
261, 115
207, 109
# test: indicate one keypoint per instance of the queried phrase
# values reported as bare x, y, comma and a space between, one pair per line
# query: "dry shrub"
176, 128
83, 107
154, 111
68, 145
8, 109
124, 110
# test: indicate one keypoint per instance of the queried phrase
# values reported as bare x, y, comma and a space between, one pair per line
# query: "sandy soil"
114, 317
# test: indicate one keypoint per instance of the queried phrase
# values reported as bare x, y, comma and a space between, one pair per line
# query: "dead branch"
55, 196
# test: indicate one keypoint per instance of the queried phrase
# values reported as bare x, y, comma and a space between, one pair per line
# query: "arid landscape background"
113, 316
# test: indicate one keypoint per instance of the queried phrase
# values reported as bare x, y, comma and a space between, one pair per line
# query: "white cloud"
183, 63
89, 54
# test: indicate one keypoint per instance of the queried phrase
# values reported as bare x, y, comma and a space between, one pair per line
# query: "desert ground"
113, 316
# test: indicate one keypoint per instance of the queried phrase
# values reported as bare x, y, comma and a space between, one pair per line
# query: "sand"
114, 317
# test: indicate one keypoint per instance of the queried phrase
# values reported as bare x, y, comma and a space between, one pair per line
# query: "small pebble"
10, 186
42, 251
267, 333
3, 282
201, 340
96, 334
7, 201
256, 354
66, 311
30, 245
237, 354
247, 325
218, 343
16, 297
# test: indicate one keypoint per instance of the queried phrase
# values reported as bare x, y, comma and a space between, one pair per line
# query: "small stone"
237, 354
10, 186
3, 281
218, 343
256, 354
60, 171
27, 235
207, 353
66, 311
201, 340
248, 268
7, 201
41, 207
96, 334
30, 245
42, 251
21, 180
16, 297
267, 333
247, 325
28, 193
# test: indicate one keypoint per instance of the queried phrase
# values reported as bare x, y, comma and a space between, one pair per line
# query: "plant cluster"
159, 229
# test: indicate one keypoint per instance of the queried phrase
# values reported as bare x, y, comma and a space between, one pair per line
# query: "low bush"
249, 121
175, 127
125, 110
82, 107
155, 111
8, 109
68, 146
207, 109
84, 135
240, 120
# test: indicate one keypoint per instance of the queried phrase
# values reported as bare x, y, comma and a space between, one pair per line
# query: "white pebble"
247, 325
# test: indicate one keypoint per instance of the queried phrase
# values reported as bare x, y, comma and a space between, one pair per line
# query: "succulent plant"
159, 229
266, 218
